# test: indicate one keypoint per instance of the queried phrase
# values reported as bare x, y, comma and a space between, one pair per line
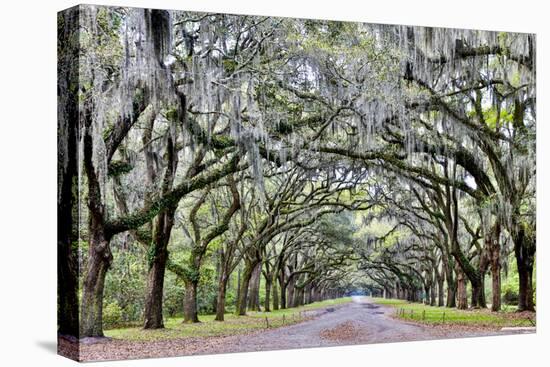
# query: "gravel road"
358, 322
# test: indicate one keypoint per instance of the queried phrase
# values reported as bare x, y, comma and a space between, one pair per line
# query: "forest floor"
361, 321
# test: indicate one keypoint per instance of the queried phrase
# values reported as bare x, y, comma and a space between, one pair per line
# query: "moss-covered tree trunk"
67, 189
475, 277
99, 261
298, 297
254, 289
290, 292
99, 253
190, 312
153, 299
525, 273
496, 287
158, 250
440, 291
451, 289
267, 300
493, 247
427, 292
275, 292
158, 28
220, 298
242, 296
524, 249
282, 286
433, 294
158, 257
307, 294
462, 295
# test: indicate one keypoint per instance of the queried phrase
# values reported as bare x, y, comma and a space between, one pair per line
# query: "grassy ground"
451, 316
175, 328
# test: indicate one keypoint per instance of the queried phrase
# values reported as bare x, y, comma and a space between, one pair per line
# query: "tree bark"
153, 299
524, 249
308, 291
275, 292
99, 253
220, 299
242, 295
238, 290
493, 247
267, 300
99, 261
440, 291
496, 287
67, 173
157, 267
290, 293
525, 272
433, 294
254, 291
427, 293
451, 293
462, 296
298, 297
282, 285
218, 275
190, 312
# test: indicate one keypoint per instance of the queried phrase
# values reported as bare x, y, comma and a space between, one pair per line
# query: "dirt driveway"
358, 322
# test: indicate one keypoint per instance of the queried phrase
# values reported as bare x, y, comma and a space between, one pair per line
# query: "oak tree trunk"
190, 312
275, 293
254, 291
267, 301
451, 294
158, 256
220, 299
462, 296
153, 299
290, 293
67, 256
282, 284
524, 249
496, 285
67, 184
242, 295
154, 295
99, 261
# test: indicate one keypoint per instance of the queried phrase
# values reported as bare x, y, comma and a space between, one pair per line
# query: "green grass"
312, 306
175, 328
443, 315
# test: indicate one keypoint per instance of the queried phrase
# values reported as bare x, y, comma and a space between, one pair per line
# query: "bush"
112, 315
510, 296
207, 291
510, 284
174, 292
